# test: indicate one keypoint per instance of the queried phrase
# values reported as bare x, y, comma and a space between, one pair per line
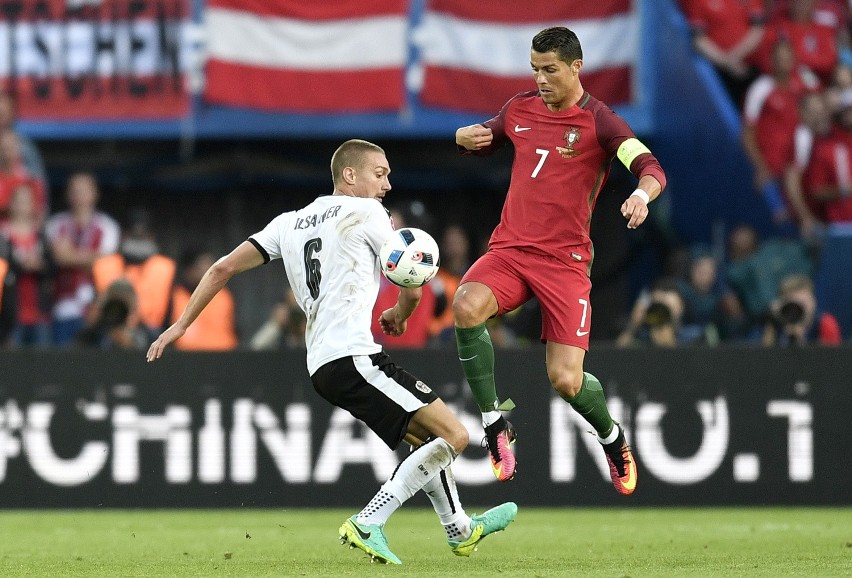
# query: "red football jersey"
561, 163
831, 166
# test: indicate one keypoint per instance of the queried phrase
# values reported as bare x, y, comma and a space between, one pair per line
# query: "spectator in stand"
215, 327
702, 294
13, 172
113, 321
727, 33
455, 260
657, 318
828, 179
7, 298
755, 270
32, 266
841, 83
796, 319
815, 36
770, 117
417, 334
815, 124
29, 153
285, 328
77, 237
138, 260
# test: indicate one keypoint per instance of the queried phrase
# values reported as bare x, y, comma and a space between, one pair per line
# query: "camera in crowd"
658, 314
114, 312
665, 305
790, 312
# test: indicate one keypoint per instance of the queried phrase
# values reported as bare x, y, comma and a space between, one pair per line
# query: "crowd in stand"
77, 278
787, 65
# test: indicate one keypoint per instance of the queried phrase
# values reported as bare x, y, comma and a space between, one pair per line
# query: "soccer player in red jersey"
564, 140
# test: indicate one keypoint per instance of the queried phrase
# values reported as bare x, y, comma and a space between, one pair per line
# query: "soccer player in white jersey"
330, 253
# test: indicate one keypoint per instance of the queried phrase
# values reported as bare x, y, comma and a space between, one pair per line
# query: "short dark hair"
351, 154
561, 40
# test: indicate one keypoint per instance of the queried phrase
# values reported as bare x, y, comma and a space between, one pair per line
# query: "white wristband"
642, 195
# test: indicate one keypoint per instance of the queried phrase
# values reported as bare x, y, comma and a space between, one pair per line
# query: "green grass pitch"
542, 542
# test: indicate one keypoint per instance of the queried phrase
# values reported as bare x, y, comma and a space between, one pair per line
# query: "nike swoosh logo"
581, 333
364, 535
519, 128
468, 358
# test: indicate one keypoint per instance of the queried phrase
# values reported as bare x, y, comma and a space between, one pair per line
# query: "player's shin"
476, 354
410, 476
443, 494
591, 404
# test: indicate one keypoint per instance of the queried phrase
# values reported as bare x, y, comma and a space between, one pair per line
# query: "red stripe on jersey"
306, 91
479, 92
302, 10
530, 11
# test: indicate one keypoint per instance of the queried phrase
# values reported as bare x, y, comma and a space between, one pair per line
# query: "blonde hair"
351, 154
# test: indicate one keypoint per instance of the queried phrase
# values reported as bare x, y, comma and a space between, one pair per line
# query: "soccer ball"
409, 258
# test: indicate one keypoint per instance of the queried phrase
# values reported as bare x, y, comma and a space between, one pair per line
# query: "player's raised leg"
585, 394
473, 305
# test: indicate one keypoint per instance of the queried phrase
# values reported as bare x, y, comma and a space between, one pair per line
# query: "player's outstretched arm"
474, 137
394, 321
243, 258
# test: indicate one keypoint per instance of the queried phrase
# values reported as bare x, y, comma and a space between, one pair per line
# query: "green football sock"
591, 404
476, 354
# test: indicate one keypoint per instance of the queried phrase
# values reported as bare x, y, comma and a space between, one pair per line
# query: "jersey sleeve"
377, 226
111, 236
497, 124
755, 98
616, 137
269, 240
803, 144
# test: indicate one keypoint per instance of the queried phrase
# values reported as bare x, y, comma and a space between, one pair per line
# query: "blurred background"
142, 139
186, 114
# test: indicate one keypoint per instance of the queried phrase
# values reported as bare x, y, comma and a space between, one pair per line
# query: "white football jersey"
330, 253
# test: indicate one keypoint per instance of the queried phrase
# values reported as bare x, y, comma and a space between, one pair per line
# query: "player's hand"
391, 324
635, 211
474, 137
168, 336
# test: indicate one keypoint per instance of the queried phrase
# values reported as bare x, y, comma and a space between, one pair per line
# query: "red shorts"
562, 289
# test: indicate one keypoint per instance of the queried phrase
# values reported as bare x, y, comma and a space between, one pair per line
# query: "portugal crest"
572, 138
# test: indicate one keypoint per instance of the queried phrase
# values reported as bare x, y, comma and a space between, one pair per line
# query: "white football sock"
613, 435
411, 475
379, 509
489, 417
444, 495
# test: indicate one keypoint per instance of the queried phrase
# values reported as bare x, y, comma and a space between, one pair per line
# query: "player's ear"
576, 66
349, 175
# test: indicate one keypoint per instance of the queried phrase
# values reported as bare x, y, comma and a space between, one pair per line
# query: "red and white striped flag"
304, 56
96, 60
475, 55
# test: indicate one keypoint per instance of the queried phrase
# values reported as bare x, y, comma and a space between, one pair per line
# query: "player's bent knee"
467, 312
567, 385
458, 438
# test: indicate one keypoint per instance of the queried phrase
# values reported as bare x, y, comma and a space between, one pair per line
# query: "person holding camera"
113, 321
795, 318
657, 318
